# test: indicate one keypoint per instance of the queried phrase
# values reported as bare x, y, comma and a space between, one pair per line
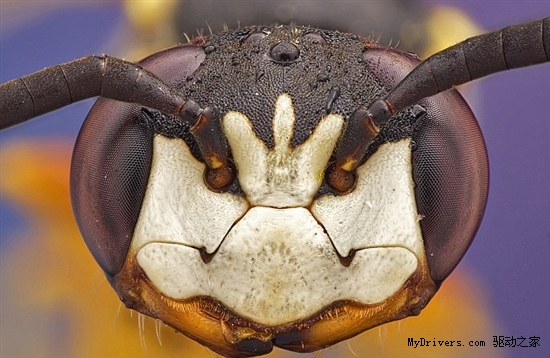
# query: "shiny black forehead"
240, 74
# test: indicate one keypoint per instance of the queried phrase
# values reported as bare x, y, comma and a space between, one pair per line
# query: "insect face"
264, 187
278, 255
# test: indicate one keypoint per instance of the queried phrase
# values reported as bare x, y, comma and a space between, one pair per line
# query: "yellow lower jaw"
212, 324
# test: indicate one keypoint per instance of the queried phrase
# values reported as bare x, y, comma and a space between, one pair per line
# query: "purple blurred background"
511, 254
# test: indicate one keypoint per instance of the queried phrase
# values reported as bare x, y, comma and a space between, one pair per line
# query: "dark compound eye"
284, 52
255, 37
315, 38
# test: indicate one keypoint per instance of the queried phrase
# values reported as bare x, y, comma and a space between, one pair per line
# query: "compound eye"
109, 178
284, 52
255, 37
315, 38
220, 179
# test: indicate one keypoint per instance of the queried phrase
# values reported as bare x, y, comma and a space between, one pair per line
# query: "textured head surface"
278, 257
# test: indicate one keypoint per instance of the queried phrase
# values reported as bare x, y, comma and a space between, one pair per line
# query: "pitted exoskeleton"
256, 184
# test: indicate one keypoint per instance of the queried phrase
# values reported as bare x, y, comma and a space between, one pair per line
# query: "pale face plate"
277, 258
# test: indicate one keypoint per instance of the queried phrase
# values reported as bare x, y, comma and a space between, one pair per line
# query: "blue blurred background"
510, 257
